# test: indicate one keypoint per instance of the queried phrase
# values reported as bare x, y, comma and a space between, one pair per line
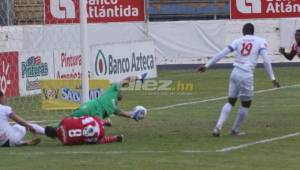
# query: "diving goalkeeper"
107, 104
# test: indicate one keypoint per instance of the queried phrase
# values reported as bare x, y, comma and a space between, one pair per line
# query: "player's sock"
39, 129
224, 115
142, 77
240, 118
109, 139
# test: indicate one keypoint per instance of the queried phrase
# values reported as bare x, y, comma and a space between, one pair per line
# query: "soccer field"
177, 132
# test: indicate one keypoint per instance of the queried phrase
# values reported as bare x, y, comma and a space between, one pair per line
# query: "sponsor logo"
69, 66
62, 9
33, 85
100, 64
246, 9
111, 8
50, 94
75, 96
70, 60
249, 6
9, 73
34, 67
67, 11
5, 81
112, 65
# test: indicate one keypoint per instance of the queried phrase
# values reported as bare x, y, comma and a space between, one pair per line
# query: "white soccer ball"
142, 108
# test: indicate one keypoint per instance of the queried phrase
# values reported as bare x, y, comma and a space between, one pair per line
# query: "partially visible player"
248, 48
11, 136
295, 48
82, 130
107, 104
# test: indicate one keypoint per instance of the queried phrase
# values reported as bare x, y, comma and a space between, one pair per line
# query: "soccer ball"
141, 108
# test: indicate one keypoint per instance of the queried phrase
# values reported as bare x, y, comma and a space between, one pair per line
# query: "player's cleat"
216, 132
31, 142
120, 138
142, 77
236, 133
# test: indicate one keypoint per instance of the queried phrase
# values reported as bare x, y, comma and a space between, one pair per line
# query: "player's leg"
127, 80
112, 139
38, 129
106, 122
233, 93
247, 92
19, 132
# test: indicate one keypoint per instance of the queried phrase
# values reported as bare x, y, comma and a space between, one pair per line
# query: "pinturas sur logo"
111, 65
34, 67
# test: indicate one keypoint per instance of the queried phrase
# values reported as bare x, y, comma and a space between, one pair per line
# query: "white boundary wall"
183, 42
53, 51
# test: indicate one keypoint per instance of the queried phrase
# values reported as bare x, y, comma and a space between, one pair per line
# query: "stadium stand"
188, 9
29, 12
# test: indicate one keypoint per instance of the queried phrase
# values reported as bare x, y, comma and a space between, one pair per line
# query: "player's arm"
268, 67
290, 56
21, 121
136, 114
216, 58
124, 114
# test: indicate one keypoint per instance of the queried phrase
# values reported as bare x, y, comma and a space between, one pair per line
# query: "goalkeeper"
107, 104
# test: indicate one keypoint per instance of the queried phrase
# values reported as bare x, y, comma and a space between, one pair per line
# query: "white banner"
187, 40
117, 61
33, 67
67, 63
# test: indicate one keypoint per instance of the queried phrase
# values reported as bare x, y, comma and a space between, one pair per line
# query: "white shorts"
241, 85
17, 135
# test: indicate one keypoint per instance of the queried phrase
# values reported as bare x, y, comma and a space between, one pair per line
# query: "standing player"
248, 48
295, 48
107, 104
82, 130
11, 136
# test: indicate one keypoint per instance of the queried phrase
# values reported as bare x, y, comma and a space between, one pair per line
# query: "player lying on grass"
295, 48
11, 136
107, 104
248, 48
82, 130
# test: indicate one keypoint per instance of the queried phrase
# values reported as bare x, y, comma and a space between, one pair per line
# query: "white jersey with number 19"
248, 49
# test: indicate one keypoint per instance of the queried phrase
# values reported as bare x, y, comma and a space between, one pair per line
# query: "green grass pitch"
180, 137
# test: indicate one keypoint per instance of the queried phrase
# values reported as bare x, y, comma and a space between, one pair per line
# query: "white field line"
217, 99
224, 150
232, 148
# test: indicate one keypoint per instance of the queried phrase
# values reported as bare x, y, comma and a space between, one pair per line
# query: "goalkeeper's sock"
224, 115
38, 129
142, 77
109, 139
243, 112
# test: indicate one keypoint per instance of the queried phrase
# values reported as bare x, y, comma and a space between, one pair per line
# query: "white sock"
240, 118
224, 115
39, 129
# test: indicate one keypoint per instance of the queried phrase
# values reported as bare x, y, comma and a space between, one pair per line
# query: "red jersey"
86, 129
296, 48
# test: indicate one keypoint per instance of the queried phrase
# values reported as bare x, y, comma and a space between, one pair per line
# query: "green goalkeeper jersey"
103, 107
